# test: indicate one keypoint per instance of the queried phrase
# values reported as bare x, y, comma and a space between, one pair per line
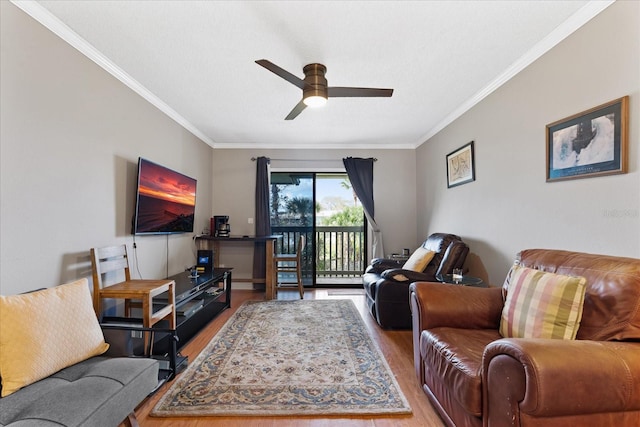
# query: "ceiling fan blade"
296, 110
344, 92
282, 73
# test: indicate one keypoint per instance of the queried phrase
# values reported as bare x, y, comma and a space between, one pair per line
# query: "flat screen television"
165, 200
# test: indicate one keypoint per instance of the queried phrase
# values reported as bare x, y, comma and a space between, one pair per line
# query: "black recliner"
386, 283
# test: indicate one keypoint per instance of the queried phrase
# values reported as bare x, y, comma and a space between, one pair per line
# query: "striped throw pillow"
542, 305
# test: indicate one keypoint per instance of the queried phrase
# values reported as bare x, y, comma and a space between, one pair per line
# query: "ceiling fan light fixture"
315, 101
315, 90
314, 93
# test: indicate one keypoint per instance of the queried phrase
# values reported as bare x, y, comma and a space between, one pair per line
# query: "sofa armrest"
378, 265
551, 378
409, 276
440, 304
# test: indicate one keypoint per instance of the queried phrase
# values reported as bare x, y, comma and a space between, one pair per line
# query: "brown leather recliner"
474, 377
386, 284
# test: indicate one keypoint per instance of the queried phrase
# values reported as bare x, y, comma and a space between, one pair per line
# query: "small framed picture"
590, 143
461, 166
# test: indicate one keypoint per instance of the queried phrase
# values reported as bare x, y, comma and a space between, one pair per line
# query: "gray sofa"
57, 367
99, 391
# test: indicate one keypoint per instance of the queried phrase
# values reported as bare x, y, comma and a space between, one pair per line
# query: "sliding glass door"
324, 208
292, 213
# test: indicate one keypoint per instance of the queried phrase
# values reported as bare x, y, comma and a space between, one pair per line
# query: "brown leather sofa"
386, 284
474, 377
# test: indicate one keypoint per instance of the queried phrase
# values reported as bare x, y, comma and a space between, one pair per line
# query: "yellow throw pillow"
542, 305
419, 260
45, 331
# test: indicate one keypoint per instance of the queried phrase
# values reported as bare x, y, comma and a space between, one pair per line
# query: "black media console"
198, 301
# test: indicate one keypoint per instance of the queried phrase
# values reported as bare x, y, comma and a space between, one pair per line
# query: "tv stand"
198, 301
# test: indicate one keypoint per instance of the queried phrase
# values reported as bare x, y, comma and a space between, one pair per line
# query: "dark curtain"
360, 172
262, 220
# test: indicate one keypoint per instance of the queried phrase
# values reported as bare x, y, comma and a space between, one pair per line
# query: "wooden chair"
136, 293
291, 263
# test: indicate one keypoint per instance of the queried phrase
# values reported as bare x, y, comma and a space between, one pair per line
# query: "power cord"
135, 256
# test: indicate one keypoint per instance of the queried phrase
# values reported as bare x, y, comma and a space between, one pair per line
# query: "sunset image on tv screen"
166, 200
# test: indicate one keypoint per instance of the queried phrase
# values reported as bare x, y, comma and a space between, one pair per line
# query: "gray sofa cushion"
98, 392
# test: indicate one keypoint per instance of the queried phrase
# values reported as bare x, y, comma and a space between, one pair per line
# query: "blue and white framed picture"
590, 143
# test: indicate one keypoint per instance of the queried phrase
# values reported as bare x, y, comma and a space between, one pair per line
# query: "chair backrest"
301, 242
454, 257
107, 260
612, 299
444, 260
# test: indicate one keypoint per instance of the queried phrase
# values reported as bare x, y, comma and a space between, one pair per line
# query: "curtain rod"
253, 159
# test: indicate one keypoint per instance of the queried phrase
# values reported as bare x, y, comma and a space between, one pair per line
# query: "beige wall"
71, 135
394, 192
70, 138
510, 207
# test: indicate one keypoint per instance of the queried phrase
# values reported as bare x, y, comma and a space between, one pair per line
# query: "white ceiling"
195, 61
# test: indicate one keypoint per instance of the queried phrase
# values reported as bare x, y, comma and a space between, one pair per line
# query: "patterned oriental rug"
311, 357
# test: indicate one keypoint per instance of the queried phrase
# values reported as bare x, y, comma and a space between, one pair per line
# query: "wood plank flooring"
396, 346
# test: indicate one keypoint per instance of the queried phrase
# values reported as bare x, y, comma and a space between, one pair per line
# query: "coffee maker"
220, 226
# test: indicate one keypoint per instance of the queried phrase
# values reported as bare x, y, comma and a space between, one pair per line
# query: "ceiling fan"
314, 87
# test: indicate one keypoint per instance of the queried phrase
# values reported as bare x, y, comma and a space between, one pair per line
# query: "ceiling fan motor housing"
315, 80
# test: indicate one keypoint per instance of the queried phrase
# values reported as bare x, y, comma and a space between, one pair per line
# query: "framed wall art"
461, 166
590, 143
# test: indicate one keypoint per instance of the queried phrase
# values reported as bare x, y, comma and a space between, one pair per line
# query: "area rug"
304, 357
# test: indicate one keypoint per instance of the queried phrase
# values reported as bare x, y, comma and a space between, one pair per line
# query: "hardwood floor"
396, 346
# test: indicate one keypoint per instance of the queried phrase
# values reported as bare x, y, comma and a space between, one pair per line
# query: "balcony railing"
339, 251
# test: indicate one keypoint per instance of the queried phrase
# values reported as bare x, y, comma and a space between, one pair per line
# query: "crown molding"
568, 27
48, 20
327, 146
